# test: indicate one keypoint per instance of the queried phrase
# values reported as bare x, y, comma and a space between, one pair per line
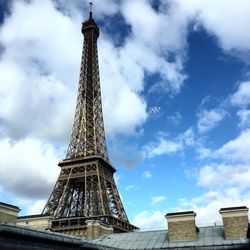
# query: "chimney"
181, 226
95, 229
235, 222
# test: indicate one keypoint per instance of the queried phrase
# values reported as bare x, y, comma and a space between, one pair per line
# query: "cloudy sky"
175, 82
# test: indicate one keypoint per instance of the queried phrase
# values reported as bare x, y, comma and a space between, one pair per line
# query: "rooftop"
181, 213
211, 237
9, 205
208, 238
33, 216
233, 208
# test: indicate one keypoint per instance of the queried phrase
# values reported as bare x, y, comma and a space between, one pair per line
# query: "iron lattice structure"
85, 188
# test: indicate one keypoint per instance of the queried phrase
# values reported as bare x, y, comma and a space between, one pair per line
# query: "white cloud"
208, 205
34, 85
147, 175
230, 28
221, 175
187, 138
236, 150
26, 42
163, 146
226, 180
244, 116
39, 76
170, 146
44, 108
242, 96
209, 119
120, 115
104, 8
166, 19
146, 220
37, 207
28, 168
150, 51
156, 200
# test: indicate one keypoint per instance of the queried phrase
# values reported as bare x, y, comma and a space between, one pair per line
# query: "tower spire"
85, 189
90, 10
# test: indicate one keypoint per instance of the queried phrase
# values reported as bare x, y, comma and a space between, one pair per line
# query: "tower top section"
88, 135
90, 23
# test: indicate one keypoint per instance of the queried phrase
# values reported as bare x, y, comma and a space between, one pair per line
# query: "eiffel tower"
85, 189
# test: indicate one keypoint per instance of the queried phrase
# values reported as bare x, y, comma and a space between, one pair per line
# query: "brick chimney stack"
235, 221
181, 226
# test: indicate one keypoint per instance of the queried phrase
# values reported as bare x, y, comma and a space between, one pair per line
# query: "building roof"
181, 213
233, 208
33, 216
9, 205
7, 228
208, 238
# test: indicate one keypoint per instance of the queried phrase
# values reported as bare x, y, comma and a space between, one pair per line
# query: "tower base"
91, 227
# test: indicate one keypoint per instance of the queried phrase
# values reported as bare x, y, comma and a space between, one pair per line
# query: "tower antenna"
90, 9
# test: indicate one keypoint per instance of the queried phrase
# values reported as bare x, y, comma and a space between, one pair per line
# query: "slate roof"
33, 216
9, 205
8, 228
208, 238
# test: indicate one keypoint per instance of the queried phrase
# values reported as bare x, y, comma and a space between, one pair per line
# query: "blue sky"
176, 101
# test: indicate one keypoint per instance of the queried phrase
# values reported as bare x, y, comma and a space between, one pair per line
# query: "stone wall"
235, 222
7, 218
235, 227
39, 222
8, 213
91, 230
182, 230
181, 226
95, 229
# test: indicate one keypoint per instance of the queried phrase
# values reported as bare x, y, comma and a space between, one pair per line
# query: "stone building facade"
39, 221
8, 213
